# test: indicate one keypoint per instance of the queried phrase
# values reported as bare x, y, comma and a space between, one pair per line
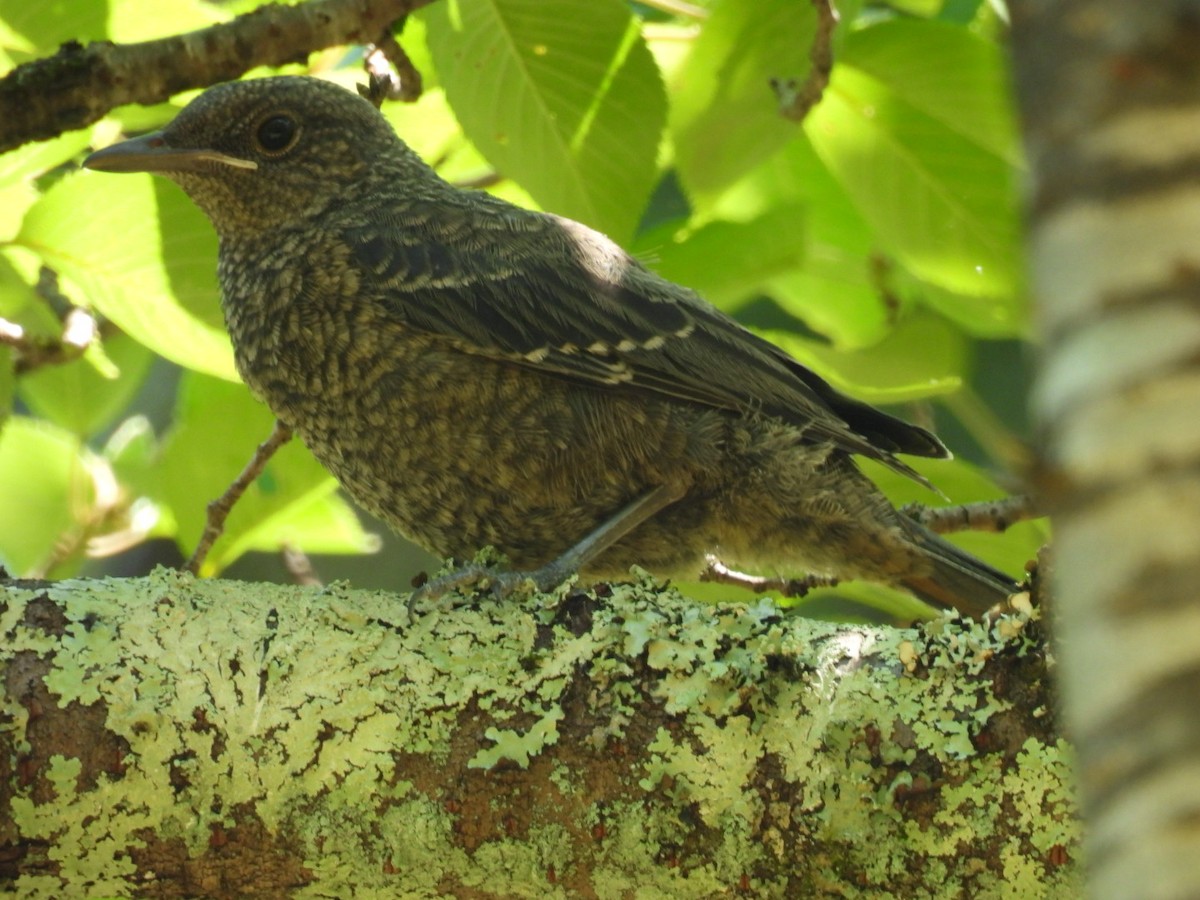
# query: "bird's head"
263, 154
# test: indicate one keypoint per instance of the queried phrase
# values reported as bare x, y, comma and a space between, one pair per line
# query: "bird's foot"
501, 584
505, 584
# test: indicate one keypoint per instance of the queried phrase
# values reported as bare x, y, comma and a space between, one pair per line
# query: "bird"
479, 374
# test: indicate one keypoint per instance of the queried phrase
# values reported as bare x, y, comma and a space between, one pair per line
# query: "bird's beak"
151, 153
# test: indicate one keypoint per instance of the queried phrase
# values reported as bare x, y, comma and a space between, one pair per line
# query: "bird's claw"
502, 585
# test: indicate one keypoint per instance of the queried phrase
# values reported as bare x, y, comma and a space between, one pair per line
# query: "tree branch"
214, 739
79, 85
795, 99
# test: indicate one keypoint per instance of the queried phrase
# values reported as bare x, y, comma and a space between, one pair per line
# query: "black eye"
277, 133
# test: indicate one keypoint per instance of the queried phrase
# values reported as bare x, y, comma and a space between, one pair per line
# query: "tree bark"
1110, 95
167, 737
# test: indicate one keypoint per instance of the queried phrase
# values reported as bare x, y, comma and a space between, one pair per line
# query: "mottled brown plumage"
474, 373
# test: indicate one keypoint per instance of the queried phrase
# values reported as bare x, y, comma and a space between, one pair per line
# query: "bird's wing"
550, 294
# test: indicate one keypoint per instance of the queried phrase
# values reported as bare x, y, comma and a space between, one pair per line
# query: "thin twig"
795, 99
390, 73
718, 573
219, 509
990, 515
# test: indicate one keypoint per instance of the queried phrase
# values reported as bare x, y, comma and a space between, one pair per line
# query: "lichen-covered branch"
174, 737
79, 85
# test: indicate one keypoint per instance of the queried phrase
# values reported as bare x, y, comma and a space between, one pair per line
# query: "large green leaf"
45, 490
724, 116
561, 96
834, 289
430, 128
33, 159
143, 255
912, 125
217, 426
914, 59
19, 168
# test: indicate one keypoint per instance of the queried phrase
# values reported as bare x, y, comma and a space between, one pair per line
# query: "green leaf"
317, 522
130, 21
37, 29
217, 427
914, 57
729, 261
427, 126
724, 116
31, 160
833, 290
45, 489
18, 268
561, 96
77, 397
15, 201
922, 357
980, 316
925, 8
925, 156
19, 168
144, 256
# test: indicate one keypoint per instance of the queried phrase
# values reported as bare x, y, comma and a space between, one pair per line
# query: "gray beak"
151, 153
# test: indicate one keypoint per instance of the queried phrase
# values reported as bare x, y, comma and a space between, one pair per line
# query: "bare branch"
79, 85
219, 509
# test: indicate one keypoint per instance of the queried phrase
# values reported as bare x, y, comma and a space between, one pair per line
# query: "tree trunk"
168, 737
1110, 94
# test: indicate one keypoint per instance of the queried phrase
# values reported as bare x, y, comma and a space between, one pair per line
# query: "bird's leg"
558, 570
719, 573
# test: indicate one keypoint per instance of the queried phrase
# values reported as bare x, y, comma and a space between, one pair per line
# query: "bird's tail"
958, 580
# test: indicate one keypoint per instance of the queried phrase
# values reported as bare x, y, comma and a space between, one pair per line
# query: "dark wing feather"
550, 294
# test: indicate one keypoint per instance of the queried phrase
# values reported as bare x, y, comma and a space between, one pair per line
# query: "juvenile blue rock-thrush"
475, 373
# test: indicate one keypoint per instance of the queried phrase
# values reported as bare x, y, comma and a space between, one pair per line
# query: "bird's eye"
277, 133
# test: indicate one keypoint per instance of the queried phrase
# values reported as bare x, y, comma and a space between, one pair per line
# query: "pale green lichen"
292, 703
518, 746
